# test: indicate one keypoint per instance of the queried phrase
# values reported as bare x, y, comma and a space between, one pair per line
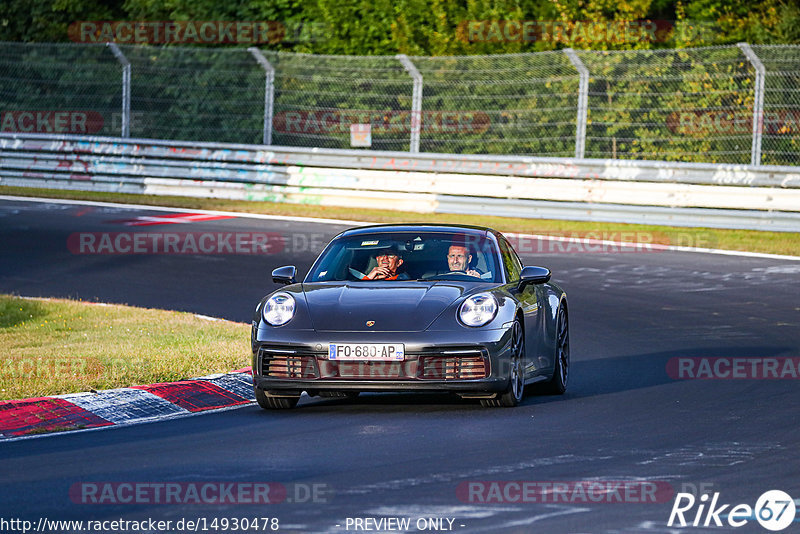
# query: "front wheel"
270, 402
516, 379
558, 384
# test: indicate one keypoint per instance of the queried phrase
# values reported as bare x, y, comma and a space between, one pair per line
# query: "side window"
510, 259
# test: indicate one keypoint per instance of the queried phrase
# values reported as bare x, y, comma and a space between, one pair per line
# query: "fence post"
416, 101
126, 88
269, 92
758, 102
583, 102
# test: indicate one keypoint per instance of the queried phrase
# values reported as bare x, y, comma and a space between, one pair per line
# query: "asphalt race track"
432, 459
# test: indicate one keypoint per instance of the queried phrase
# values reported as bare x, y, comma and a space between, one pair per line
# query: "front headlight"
478, 309
279, 309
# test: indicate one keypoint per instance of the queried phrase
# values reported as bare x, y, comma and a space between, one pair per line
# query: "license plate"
367, 352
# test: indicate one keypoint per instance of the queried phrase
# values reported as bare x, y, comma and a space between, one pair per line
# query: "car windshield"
408, 256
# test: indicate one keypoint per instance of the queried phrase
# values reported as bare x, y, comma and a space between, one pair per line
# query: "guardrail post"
126, 88
583, 102
416, 101
269, 92
758, 102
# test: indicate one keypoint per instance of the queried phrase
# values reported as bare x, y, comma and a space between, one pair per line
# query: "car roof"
422, 227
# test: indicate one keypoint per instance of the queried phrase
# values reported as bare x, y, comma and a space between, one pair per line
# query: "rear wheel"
558, 384
516, 379
270, 402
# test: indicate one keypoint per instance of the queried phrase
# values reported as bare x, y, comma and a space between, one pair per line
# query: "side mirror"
533, 275
284, 275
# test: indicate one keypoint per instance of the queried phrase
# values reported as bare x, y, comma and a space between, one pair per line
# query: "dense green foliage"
421, 27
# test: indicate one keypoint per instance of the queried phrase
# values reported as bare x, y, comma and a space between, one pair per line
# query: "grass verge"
54, 346
743, 240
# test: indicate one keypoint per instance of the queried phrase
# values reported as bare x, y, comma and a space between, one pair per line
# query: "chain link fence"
202, 94
71, 87
729, 104
318, 97
686, 105
781, 123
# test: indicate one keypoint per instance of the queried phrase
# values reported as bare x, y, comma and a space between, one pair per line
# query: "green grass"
57, 346
743, 240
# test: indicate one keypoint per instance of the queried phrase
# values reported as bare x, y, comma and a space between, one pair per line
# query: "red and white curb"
171, 218
123, 406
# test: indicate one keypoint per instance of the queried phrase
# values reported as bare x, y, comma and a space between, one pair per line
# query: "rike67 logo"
774, 510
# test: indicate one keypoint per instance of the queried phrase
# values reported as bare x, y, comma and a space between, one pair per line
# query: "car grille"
453, 368
456, 363
369, 371
287, 363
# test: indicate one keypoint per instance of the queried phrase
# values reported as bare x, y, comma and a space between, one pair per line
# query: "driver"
459, 258
389, 260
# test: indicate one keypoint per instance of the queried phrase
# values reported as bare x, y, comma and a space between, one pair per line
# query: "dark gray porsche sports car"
412, 308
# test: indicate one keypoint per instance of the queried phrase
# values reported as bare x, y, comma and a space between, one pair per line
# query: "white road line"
186, 210
652, 247
345, 222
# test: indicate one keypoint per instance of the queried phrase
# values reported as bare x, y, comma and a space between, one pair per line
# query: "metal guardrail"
525, 166
681, 194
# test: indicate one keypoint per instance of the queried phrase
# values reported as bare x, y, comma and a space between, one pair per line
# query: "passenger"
389, 261
458, 260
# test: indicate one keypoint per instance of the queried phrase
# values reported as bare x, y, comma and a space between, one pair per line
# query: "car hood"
393, 306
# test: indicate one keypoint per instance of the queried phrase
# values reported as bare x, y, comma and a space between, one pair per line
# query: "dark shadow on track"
604, 376
394, 401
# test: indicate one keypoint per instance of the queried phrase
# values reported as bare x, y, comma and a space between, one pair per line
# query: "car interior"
424, 257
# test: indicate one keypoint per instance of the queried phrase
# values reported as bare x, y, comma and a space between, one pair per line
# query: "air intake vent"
454, 365
288, 364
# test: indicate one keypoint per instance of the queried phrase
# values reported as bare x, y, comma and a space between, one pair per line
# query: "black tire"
268, 402
516, 380
558, 384
339, 394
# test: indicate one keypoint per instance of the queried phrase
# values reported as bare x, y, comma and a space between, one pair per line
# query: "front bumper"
467, 362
